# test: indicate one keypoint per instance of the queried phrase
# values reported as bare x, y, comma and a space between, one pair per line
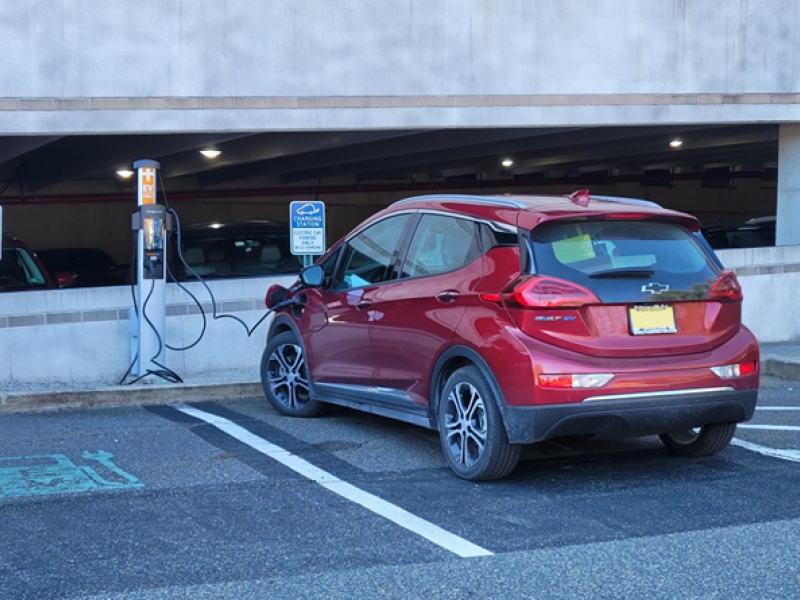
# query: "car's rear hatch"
625, 288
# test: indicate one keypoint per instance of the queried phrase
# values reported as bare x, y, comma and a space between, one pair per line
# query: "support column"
787, 231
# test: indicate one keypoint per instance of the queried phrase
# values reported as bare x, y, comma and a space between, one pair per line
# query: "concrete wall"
770, 278
82, 336
206, 65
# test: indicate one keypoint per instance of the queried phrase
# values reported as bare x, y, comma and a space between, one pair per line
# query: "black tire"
701, 441
284, 378
471, 429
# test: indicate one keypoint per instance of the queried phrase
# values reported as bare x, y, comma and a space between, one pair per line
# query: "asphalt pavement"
779, 359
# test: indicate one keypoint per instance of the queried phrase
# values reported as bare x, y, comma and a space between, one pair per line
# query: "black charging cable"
214, 315
165, 372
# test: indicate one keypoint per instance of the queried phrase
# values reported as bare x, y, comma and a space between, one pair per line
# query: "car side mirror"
312, 276
65, 279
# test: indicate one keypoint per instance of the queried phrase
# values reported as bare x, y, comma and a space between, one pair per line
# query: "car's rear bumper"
629, 415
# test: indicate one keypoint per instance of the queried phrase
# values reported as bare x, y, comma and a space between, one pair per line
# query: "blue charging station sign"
307, 226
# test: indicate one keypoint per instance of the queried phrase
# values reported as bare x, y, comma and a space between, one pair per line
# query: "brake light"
548, 292
635, 216
726, 288
575, 380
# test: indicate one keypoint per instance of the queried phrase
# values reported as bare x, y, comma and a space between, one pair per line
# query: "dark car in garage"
221, 250
93, 266
21, 269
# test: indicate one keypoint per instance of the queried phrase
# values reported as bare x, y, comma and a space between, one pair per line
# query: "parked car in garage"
754, 233
217, 250
93, 266
504, 321
21, 269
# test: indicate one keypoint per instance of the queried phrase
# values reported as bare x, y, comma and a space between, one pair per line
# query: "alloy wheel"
465, 424
287, 377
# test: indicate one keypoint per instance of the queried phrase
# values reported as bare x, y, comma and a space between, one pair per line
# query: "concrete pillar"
787, 232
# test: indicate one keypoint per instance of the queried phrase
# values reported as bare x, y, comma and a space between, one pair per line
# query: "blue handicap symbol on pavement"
40, 474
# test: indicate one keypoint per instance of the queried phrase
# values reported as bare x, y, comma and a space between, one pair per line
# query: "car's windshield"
18, 270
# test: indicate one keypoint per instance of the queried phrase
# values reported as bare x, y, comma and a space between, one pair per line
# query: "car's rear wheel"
284, 377
699, 441
471, 429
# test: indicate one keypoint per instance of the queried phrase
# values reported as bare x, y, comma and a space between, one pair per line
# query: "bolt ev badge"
655, 288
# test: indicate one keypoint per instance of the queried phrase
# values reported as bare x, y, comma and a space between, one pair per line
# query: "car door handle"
364, 304
447, 296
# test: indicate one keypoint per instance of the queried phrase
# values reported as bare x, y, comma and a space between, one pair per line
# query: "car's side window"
441, 244
369, 254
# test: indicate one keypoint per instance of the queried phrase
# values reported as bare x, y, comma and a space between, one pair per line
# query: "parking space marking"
392, 512
769, 427
777, 407
40, 474
791, 455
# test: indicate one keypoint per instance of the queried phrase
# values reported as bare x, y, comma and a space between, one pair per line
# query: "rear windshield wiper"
624, 272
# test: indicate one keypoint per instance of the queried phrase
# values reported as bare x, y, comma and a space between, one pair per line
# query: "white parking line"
777, 407
421, 527
769, 427
792, 455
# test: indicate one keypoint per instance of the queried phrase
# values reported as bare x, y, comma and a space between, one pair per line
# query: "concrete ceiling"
79, 165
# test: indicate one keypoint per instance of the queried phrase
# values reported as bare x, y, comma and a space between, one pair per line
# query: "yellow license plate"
651, 319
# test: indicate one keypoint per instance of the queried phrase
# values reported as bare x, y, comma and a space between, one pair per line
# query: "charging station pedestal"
149, 326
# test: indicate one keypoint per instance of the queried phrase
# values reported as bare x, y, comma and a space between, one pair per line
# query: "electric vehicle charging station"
148, 317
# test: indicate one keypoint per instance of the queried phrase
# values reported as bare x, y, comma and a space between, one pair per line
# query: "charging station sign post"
307, 228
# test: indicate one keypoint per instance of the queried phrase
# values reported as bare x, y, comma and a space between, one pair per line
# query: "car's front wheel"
284, 377
471, 428
699, 441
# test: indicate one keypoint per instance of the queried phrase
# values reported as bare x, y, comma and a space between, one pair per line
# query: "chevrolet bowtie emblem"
655, 288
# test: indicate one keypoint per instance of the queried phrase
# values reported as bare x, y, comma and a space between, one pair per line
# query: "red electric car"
502, 321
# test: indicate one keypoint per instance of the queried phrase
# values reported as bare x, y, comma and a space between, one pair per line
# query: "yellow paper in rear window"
574, 249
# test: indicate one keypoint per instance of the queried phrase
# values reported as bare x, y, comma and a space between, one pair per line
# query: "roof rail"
507, 202
621, 200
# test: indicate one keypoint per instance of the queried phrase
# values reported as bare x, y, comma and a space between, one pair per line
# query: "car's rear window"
625, 261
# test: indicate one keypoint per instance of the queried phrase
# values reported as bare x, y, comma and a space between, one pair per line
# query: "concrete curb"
780, 367
13, 402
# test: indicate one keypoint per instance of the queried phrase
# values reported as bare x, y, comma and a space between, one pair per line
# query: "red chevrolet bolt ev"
503, 321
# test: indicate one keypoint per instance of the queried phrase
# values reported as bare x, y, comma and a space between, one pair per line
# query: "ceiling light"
216, 225
676, 143
211, 153
507, 162
125, 173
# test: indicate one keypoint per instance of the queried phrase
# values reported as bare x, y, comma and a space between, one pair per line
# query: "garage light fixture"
507, 162
676, 143
125, 173
211, 153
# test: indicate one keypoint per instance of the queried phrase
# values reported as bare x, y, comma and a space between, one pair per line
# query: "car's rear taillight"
726, 288
549, 292
737, 370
